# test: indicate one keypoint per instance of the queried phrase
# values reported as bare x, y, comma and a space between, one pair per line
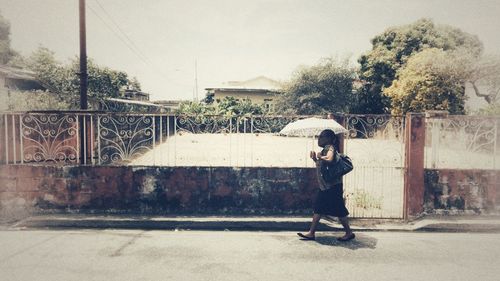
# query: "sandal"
346, 238
305, 238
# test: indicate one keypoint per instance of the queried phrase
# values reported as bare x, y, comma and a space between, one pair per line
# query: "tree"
392, 49
6, 52
485, 78
31, 100
63, 80
431, 80
194, 108
323, 88
493, 109
228, 106
231, 106
105, 82
55, 77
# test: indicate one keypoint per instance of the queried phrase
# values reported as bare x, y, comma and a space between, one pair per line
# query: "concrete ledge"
491, 225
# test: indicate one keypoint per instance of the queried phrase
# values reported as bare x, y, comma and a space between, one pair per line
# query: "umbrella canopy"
312, 127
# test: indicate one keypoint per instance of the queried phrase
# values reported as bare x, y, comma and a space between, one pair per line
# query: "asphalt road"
211, 255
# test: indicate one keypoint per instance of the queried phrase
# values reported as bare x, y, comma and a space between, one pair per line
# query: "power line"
121, 31
130, 43
119, 37
152, 64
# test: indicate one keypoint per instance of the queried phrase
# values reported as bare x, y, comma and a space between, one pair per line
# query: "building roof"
257, 83
169, 102
17, 73
136, 102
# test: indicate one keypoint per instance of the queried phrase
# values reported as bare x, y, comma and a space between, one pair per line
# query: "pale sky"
229, 39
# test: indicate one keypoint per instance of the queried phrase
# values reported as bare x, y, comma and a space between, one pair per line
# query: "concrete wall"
462, 191
220, 190
180, 190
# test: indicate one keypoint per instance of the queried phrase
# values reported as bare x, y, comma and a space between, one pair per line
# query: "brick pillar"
414, 163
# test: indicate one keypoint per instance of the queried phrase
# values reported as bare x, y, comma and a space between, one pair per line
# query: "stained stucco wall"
462, 191
179, 190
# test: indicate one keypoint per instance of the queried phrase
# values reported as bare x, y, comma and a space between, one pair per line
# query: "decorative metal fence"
150, 139
376, 145
462, 142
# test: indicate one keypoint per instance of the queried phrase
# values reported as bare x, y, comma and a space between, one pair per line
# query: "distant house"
259, 90
172, 104
135, 95
12, 78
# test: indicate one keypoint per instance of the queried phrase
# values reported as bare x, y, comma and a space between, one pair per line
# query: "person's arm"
312, 154
329, 155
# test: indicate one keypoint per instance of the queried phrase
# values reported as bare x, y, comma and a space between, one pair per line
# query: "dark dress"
330, 198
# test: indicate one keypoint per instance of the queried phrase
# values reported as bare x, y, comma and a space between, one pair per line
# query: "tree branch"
478, 94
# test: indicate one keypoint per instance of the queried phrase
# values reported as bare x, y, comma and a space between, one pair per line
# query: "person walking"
329, 200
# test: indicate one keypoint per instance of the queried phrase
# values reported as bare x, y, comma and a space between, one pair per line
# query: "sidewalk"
486, 224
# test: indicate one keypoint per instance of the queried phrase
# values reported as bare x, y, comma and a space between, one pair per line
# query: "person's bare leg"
314, 225
348, 231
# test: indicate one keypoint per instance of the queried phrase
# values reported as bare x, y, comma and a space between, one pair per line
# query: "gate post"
340, 118
3, 143
414, 164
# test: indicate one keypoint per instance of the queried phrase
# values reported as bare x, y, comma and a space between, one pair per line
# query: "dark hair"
332, 138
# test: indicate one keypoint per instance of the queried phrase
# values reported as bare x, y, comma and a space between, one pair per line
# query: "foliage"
431, 80
64, 82
209, 99
58, 79
323, 88
30, 100
391, 51
194, 108
485, 78
6, 52
492, 109
228, 106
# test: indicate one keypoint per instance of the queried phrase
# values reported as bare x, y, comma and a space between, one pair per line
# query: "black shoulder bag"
335, 169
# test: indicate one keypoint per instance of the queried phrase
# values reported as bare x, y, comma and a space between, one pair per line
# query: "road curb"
173, 225
245, 224
460, 227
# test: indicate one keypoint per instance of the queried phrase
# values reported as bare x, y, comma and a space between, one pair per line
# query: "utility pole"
196, 79
83, 58
83, 84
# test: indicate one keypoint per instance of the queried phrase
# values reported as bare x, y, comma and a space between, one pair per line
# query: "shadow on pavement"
361, 241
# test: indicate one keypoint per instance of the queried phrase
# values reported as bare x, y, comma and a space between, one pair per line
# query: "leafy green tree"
195, 108
55, 77
323, 88
6, 52
493, 109
105, 82
431, 80
246, 107
231, 106
485, 78
209, 99
64, 81
392, 49
228, 106
31, 100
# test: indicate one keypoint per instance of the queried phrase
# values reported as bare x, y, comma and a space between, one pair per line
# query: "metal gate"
376, 145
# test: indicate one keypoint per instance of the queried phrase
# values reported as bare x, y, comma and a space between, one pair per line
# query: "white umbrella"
311, 127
